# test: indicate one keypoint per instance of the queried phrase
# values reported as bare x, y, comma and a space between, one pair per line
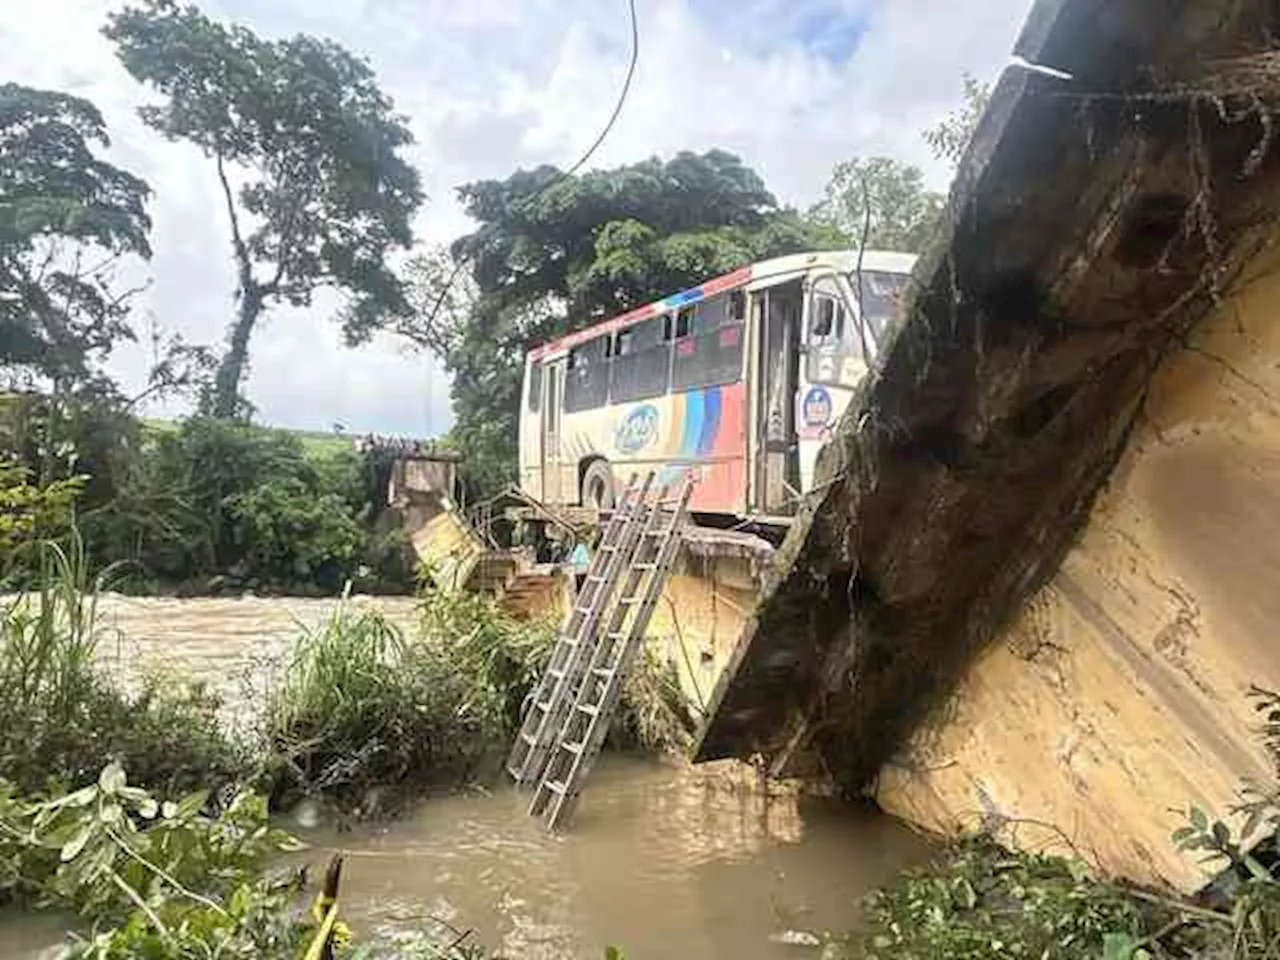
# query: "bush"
61, 716
366, 717
215, 498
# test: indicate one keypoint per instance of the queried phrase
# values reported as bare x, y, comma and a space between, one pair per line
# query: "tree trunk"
231, 369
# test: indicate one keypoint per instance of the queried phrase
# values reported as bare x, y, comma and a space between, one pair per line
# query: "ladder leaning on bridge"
574, 702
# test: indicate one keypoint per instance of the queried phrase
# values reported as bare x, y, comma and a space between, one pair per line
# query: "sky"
488, 86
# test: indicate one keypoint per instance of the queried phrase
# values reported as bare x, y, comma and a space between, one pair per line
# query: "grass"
367, 717
62, 717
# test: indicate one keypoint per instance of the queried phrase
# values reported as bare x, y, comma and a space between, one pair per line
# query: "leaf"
1119, 946
1198, 818
110, 813
148, 808
168, 809
71, 849
112, 778
966, 895
1182, 834
190, 805
1220, 833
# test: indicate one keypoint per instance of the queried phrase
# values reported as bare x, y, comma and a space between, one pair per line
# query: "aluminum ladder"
558, 686
583, 730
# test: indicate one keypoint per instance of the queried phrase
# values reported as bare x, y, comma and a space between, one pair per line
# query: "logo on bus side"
638, 429
816, 410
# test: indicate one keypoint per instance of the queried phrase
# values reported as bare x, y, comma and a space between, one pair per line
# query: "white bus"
741, 378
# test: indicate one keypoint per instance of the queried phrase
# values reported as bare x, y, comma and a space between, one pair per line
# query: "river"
661, 860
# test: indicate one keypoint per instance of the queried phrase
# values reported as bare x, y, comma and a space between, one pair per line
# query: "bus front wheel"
597, 486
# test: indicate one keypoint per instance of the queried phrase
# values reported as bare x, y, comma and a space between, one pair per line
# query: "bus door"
776, 470
835, 360
553, 487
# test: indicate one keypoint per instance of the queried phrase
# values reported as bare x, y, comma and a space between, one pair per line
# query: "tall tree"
307, 153
882, 199
553, 254
67, 217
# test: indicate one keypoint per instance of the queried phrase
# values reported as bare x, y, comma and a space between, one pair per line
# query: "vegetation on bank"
198, 506
979, 901
172, 863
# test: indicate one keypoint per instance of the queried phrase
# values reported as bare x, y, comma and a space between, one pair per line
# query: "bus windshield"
880, 296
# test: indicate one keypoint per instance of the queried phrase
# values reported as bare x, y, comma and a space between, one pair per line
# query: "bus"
741, 379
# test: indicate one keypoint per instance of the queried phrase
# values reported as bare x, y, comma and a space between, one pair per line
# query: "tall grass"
366, 716
62, 717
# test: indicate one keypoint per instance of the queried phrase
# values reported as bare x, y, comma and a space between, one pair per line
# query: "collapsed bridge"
1098, 216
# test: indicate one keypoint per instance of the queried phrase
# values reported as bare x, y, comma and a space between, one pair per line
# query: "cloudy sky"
793, 86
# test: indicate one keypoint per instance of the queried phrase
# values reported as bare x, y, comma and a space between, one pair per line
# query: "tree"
67, 218
300, 126
882, 199
950, 138
553, 254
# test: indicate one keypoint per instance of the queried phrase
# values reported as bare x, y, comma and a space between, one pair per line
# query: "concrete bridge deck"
1095, 221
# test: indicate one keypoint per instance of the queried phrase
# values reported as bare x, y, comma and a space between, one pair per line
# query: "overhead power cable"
578, 165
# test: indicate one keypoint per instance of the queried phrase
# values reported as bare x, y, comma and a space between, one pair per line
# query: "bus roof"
779, 268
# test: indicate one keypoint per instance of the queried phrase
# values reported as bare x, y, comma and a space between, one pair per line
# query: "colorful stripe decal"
685, 297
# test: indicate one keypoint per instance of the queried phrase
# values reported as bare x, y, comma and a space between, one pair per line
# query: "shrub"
178, 882
364, 712
61, 716
226, 498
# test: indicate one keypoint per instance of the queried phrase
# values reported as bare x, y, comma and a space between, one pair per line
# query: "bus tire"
597, 485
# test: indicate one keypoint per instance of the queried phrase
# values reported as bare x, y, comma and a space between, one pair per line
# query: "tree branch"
237, 239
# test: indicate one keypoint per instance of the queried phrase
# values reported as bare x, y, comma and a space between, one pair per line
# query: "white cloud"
490, 85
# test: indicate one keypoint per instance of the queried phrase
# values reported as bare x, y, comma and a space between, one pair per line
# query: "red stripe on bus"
709, 289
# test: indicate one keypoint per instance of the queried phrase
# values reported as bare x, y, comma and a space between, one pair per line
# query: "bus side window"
641, 366
828, 321
684, 323
535, 387
587, 384
710, 353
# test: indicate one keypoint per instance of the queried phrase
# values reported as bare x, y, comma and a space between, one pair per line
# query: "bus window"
710, 352
881, 297
641, 366
833, 351
535, 387
587, 382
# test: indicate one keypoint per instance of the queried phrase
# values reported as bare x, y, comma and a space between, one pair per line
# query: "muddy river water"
661, 860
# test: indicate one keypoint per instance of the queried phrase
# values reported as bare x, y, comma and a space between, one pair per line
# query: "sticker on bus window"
729, 336
816, 410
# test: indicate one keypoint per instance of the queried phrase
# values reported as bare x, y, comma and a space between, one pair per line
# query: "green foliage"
554, 254
978, 901
364, 713
66, 218
325, 194
61, 716
882, 199
223, 498
950, 138
178, 882
30, 512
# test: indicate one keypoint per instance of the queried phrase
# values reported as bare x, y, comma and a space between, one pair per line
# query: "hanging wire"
581, 162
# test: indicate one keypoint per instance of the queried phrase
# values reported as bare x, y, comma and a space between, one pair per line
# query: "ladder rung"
589, 709
644, 566
605, 672
555, 786
593, 578
573, 747
528, 738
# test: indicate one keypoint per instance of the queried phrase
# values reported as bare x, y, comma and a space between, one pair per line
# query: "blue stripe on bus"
710, 421
691, 430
